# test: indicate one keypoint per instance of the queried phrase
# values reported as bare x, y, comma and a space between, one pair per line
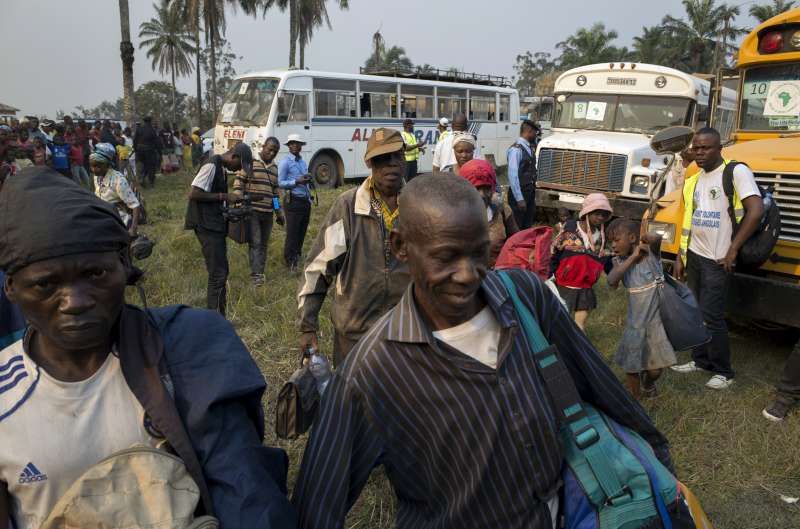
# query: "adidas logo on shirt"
31, 474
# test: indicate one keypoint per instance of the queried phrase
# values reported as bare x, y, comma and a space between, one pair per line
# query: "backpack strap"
730, 190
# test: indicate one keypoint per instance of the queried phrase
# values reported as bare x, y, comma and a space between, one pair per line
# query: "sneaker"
258, 280
777, 411
688, 367
719, 382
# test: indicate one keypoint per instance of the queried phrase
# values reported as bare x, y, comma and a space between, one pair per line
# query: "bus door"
293, 118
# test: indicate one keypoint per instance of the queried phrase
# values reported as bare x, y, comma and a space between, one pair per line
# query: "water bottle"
320, 369
276, 204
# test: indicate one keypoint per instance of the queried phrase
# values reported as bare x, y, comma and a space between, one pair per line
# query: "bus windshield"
621, 113
249, 102
781, 85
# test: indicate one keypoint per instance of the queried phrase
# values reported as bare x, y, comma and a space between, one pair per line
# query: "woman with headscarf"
111, 186
464, 145
502, 225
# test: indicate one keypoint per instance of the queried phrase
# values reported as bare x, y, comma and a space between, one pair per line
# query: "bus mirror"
672, 140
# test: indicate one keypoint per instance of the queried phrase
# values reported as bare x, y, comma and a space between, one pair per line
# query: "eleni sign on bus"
233, 134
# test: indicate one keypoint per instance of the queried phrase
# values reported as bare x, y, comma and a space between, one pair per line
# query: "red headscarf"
479, 173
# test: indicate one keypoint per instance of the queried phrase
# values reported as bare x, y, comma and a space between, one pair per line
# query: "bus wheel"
325, 171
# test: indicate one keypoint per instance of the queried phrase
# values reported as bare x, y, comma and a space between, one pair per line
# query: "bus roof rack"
435, 74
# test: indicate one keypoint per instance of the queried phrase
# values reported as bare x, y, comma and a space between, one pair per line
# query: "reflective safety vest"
411, 140
689, 206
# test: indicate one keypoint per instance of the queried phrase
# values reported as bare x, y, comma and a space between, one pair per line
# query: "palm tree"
169, 44
656, 45
590, 46
706, 24
126, 52
393, 58
304, 17
765, 12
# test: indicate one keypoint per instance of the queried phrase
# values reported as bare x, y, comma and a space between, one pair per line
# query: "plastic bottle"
276, 204
320, 369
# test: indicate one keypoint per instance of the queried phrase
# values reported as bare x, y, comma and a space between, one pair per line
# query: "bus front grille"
787, 195
589, 170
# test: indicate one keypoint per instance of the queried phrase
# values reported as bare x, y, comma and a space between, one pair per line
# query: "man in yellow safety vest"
710, 244
412, 149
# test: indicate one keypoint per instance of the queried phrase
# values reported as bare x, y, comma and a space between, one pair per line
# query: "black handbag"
680, 314
298, 401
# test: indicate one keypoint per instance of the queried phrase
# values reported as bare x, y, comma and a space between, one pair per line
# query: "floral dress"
644, 344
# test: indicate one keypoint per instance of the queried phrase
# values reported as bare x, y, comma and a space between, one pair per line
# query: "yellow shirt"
387, 215
123, 152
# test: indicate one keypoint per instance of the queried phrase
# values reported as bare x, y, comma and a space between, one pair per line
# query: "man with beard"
352, 252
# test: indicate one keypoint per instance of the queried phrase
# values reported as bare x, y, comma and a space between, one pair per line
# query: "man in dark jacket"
352, 252
148, 151
176, 374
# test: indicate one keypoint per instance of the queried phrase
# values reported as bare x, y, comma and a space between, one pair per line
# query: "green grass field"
737, 463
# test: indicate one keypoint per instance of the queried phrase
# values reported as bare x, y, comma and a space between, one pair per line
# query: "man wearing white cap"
293, 176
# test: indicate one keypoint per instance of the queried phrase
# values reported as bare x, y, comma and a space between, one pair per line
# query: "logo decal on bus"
233, 134
430, 137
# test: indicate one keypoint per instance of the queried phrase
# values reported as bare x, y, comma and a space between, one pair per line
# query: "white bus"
540, 110
336, 113
604, 118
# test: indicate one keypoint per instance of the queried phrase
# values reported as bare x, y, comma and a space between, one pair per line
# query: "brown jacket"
352, 251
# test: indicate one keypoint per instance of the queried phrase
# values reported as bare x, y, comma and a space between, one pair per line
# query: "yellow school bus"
767, 138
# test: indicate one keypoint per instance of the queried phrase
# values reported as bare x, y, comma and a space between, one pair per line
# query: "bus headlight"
667, 231
640, 184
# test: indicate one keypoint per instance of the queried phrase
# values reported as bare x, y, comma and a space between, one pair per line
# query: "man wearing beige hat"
352, 252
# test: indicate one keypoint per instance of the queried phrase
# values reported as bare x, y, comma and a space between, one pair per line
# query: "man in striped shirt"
443, 390
261, 187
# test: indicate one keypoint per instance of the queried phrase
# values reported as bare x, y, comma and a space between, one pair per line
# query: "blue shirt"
289, 170
514, 156
59, 154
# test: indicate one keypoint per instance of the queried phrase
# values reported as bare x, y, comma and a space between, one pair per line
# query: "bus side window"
293, 107
702, 116
505, 108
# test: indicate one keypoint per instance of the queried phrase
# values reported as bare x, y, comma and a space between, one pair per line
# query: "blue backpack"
612, 478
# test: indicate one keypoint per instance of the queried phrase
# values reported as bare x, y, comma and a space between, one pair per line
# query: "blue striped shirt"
464, 445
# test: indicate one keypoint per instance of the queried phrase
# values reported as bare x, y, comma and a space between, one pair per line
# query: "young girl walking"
645, 350
580, 256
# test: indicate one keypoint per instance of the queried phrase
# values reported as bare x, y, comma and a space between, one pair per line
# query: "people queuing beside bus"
429, 391
412, 149
208, 197
502, 225
645, 350
95, 377
262, 190
293, 176
522, 175
709, 247
580, 255
351, 251
443, 154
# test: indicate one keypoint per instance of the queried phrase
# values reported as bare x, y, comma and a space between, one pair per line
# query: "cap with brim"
296, 138
383, 141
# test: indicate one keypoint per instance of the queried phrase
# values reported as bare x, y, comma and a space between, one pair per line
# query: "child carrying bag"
612, 479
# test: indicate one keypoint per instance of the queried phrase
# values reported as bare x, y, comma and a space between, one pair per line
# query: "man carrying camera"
293, 176
208, 198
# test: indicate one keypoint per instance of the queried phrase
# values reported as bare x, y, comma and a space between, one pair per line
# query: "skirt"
578, 298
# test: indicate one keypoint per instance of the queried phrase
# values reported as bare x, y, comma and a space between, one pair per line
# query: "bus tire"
325, 171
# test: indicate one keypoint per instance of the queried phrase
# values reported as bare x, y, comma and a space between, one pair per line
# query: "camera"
239, 212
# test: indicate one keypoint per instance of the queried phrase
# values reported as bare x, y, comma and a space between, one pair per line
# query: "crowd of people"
433, 379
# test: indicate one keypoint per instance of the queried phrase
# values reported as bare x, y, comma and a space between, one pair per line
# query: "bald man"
433, 391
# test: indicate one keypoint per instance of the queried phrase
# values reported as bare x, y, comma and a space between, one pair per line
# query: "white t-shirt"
205, 177
53, 431
711, 224
443, 154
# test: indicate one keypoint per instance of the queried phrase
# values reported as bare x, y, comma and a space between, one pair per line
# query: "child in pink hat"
580, 256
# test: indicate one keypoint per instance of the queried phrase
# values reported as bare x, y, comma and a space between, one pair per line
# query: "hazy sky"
59, 54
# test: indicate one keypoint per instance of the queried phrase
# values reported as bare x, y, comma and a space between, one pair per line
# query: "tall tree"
126, 53
705, 32
224, 67
590, 46
530, 68
383, 58
762, 13
169, 44
304, 17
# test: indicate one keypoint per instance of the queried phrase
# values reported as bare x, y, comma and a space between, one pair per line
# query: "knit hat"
479, 173
594, 202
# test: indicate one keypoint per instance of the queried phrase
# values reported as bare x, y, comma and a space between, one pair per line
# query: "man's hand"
303, 180
308, 340
280, 218
729, 261
677, 269
133, 234
522, 205
640, 252
231, 198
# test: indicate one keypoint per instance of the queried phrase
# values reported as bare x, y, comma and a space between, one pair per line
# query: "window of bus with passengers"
249, 102
623, 113
758, 83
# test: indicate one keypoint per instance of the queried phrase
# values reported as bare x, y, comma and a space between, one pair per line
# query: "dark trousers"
215, 253
260, 230
298, 213
411, 170
149, 165
709, 284
524, 218
789, 384
341, 346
